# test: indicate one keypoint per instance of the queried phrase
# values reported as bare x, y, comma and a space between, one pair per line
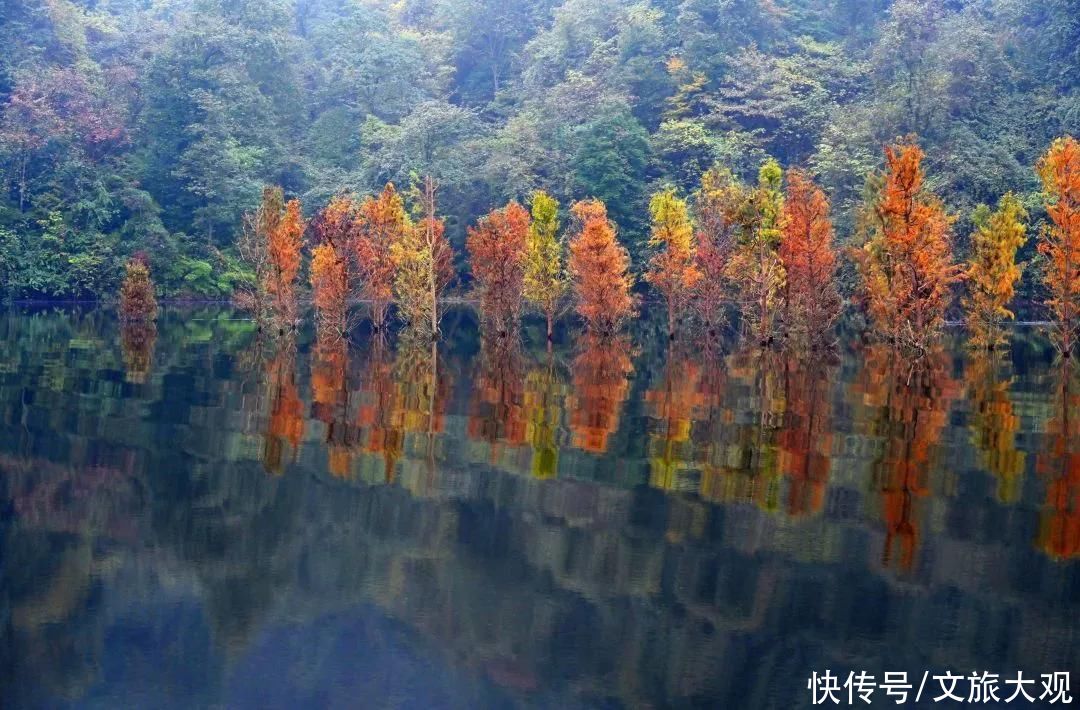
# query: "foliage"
672, 271
272, 250
755, 264
137, 301
497, 248
151, 125
721, 209
383, 222
1059, 169
992, 271
544, 279
907, 263
423, 263
811, 303
599, 268
329, 288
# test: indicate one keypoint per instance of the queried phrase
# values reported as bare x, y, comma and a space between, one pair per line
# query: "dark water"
190, 519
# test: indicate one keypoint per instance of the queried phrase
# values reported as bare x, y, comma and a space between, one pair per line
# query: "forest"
696, 140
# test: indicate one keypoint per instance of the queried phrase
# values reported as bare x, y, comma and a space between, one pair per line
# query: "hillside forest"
787, 158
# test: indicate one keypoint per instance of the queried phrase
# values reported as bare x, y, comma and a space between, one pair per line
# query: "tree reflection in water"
1058, 466
452, 502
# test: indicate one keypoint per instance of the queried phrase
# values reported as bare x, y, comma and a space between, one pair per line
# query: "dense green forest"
151, 126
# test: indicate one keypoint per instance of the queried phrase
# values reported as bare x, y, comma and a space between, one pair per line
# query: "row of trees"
764, 251
151, 126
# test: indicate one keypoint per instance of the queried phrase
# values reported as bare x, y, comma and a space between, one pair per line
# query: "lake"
193, 516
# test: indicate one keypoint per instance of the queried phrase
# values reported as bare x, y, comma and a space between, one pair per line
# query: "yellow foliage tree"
545, 277
992, 271
673, 269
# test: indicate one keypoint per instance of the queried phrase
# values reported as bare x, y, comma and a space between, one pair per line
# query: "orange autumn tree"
334, 231
329, 288
283, 248
907, 263
423, 263
992, 271
383, 222
1059, 169
599, 269
672, 269
811, 302
497, 249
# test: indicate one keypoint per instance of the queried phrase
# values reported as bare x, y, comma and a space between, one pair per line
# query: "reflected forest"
535, 353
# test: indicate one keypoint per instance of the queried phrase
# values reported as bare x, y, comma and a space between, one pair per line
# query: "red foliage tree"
497, 248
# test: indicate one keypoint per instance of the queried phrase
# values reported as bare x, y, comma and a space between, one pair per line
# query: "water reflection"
491, 522
1058, 464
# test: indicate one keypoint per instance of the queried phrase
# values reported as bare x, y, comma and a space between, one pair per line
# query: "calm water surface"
192, 518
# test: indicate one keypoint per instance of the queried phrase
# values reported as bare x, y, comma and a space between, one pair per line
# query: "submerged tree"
423, 262
270, 246
253, 247
599, 267
992, 271
544, 279
755, 265
332, 271
811, 302
721, 208
907, 263
672, 269
284, 248
497, 248
383, 223
1059, 169
329, 288
137, 300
